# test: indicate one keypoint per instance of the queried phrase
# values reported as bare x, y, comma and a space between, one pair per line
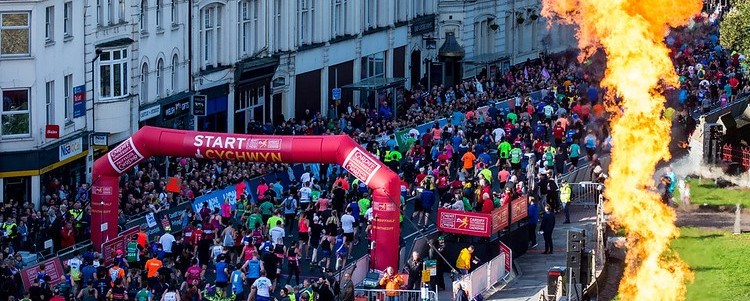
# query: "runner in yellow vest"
565, 199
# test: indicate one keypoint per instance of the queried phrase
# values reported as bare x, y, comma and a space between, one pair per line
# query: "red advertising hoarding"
52, 267
500, 218
464, 222
118, 243
519, 209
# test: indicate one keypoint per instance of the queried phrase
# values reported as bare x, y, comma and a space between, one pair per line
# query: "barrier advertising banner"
500, 218
52, 267
216, 198
463, 222
172, 218
118, 243
519, 209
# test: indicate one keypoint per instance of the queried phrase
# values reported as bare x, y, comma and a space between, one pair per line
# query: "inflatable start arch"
339, 149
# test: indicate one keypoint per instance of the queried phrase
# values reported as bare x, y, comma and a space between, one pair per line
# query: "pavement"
532, 267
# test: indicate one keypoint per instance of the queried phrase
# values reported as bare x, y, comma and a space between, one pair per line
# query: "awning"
376, 83
116, 43
486, 59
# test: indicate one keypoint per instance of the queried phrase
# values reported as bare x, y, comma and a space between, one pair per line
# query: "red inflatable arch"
340, 149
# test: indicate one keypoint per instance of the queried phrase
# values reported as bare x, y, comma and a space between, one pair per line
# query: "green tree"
735, 28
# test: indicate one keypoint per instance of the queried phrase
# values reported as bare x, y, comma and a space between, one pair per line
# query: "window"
121, 12
400, 11
68, 95
211, 34
50, 101
144, 83
249, 27
173, 10
111, 9
144, 16
175, 77
68, 19
99, 13
49, 24
15, 113
338, 26
14, 34
158, 14
371, 14
373, 65
278, 33
251, 101
417, 8
113, 74
159, 77
483, 37
305, 12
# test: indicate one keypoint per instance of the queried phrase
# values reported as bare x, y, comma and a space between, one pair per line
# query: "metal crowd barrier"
588, 194
395, 295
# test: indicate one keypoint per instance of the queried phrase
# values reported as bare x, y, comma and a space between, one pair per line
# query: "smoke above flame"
631, 33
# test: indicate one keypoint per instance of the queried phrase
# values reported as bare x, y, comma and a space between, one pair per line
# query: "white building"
42, 86
264, 59
501, 33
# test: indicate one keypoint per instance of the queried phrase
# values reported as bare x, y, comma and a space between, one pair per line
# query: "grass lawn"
705, 192
719, 261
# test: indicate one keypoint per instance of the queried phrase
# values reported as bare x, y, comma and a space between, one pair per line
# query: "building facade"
44, 127
271, 60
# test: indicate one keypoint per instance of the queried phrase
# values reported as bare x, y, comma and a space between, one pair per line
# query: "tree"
734, 30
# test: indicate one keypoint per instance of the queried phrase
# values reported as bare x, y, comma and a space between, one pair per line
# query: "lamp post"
90, 155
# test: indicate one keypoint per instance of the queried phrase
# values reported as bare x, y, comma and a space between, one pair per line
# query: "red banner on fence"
519, 209
52, 267
110, 247
500, 218
464, 222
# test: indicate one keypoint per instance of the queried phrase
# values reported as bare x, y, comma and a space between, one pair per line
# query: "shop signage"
79, 101
464, 222
423, 25
52, 131
278, 82
100, 139
519, 209
52, 267
70, 148
199, 105
177, 108
149, 113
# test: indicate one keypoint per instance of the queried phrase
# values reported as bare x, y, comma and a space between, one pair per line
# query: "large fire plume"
631, 33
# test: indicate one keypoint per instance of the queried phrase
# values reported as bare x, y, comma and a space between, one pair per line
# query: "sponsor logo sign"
52, 131
222, 147
462, 222
102, 190
149, 113
361, 164
504, 249
124, 156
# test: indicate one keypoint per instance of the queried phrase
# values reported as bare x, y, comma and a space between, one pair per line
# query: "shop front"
172, 112
252, 103
30, 175
216, 119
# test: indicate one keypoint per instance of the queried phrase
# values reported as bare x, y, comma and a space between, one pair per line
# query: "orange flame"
631, 32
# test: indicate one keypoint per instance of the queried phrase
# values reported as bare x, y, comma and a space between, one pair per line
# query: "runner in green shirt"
515, 158
503, 150
254, 220
364, 204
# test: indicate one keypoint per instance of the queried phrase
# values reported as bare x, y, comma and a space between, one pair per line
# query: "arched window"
144, 83
159, 77
174, 73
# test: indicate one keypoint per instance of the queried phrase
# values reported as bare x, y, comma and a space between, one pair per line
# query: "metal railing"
588, 194
395, 295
